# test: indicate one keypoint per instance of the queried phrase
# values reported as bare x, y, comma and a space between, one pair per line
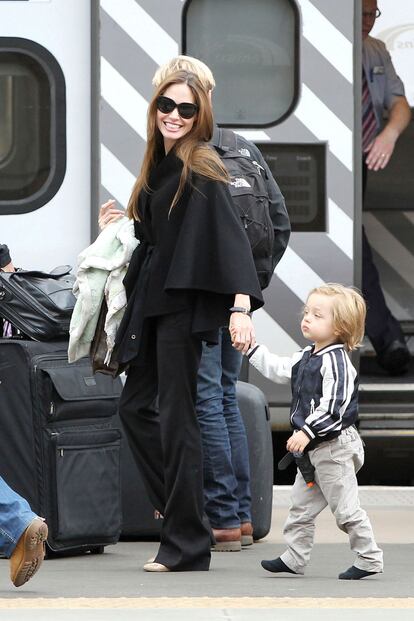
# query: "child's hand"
297, 442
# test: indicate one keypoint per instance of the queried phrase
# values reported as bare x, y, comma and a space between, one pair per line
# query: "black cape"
195, 255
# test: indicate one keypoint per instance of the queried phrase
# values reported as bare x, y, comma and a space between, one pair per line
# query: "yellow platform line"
206, 602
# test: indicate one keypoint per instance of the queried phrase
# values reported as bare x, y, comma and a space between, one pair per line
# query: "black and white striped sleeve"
338, 384
276, 368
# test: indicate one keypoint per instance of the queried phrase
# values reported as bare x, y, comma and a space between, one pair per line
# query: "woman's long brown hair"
192, 149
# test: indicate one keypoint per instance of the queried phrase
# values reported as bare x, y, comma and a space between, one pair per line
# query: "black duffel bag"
39, 304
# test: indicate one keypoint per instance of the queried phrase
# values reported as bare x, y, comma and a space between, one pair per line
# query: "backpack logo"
244, 152
239, 182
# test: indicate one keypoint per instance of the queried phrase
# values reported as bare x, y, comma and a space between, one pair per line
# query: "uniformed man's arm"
382, 148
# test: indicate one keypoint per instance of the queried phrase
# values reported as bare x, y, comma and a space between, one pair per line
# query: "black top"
195, 256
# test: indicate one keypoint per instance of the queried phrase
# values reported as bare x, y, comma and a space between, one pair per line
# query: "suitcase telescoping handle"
57, 272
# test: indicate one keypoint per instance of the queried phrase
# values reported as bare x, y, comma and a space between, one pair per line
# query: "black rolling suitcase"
58, 447
139, 520
255, 413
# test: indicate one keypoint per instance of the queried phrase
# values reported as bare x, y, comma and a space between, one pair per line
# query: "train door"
285, 79
45, 130
387, 403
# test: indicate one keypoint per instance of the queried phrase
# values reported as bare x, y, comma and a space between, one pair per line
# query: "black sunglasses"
185, 110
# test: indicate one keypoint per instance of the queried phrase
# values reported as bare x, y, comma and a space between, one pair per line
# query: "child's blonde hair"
185, 63
349, 311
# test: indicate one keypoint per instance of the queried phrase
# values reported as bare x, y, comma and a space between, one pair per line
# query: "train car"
45, 130
76, 81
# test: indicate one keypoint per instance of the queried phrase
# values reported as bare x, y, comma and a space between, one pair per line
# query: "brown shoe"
28, 553
246, 534
227, 540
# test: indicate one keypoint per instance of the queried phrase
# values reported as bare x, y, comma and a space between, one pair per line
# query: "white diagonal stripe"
395, 307
297, 275
327, 39
142, 28
388, 247
270, 332
322, 122
409, 215
341, 229
254, 135
123, 98
115, 177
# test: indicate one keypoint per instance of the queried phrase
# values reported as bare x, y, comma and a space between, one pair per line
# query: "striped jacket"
324, 387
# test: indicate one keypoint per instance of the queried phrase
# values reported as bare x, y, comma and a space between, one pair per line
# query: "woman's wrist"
240, 309
242, 300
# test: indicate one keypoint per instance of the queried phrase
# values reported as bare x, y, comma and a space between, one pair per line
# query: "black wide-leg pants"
166, 444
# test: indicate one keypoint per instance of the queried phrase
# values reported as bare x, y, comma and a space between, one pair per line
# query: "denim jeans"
15, 517
225, 451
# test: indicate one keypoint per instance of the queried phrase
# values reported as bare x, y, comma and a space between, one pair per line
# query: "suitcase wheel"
97, 550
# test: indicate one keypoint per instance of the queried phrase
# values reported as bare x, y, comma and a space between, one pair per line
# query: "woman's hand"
108, 213
8, 268
297, 442
241, 332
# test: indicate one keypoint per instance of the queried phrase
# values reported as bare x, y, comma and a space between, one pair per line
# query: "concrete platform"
114, 586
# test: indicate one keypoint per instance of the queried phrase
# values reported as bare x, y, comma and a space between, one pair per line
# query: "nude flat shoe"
155, 567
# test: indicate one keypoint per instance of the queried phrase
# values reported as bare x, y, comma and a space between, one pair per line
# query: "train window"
252, 49
32, 126
5, 118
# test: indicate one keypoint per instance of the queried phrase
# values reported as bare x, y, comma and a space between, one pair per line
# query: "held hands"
241, 332
297, 442
108, 213
381, 149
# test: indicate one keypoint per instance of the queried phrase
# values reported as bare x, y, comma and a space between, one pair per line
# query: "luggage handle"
57, 272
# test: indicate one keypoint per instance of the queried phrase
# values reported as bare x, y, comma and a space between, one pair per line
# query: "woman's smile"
172, 126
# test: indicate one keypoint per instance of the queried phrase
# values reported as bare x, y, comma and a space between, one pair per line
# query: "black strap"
57, 272
224, 139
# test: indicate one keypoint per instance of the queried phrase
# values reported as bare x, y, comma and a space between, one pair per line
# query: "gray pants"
336, 464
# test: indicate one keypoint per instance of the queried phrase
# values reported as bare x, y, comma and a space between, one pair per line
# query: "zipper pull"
61, 452
52, 408
257, 165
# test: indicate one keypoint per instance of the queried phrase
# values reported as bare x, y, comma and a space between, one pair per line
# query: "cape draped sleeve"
212, 256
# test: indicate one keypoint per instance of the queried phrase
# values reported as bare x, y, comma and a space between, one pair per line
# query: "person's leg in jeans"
220, 485
22, 535
231, 361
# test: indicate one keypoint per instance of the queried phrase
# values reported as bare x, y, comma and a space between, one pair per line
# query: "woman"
192, 266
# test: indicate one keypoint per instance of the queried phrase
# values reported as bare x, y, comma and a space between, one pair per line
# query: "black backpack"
249, 192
